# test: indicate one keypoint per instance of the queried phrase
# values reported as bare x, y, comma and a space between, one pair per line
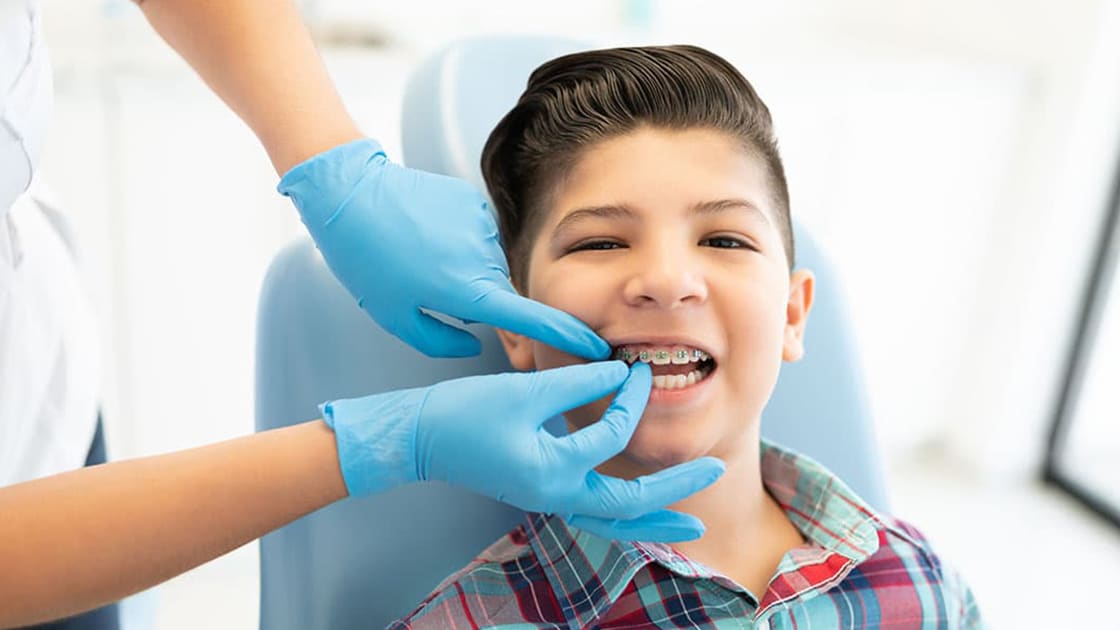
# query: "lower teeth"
677, 381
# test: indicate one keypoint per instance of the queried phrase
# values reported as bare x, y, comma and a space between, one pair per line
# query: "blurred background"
956, 159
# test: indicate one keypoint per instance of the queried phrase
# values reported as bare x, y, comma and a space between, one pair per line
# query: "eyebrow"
626, 213
734, 203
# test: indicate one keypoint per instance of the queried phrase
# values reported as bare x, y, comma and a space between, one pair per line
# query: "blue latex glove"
486, 433
402, 240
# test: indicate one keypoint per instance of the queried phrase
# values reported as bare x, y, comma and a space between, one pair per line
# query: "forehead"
657, 170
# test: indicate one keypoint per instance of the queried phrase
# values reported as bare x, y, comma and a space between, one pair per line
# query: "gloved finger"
598, 442
661, 526
437, 339
505, 309
611, 497
557, 390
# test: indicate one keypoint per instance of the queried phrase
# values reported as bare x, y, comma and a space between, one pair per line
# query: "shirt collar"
826, 511
589, 573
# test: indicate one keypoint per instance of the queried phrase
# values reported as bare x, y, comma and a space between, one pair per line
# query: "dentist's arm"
259, 58
74, 541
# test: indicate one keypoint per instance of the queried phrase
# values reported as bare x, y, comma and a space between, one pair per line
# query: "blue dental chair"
364, 562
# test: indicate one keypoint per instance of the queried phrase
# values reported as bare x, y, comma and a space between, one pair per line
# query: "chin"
656, 448
660, 441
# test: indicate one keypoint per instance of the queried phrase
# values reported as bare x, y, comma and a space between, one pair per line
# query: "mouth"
674, 366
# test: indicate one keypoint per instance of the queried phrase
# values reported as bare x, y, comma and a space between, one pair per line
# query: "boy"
641, 190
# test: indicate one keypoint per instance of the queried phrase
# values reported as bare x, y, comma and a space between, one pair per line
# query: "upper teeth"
662, 355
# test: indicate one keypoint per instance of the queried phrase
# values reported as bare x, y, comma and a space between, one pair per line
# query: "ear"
519, 350
797, 313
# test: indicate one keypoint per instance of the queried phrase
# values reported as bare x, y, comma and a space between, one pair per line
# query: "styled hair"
576, 101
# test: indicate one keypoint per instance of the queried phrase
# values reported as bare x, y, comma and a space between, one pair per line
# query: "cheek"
582, 296
756, 342
546, 357
576, 289
756, 310
580, 290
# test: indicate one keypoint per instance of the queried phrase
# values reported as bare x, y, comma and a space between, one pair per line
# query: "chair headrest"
458, 95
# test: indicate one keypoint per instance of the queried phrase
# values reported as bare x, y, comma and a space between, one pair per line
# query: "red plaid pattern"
857, 569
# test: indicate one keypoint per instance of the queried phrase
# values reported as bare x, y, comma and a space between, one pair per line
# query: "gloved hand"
486, 433
401, 240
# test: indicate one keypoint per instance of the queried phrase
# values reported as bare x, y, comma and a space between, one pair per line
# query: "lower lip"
680, 395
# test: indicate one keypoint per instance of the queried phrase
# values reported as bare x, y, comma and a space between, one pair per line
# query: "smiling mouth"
673, 367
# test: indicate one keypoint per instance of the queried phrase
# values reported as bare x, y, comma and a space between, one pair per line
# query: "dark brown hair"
578, 100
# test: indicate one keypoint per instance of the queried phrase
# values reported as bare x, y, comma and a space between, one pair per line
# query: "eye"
725, 242
594, 246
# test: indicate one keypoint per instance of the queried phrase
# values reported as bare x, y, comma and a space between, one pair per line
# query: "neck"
746, 530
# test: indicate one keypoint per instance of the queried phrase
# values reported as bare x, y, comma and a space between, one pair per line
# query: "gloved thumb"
558, 390
598, 442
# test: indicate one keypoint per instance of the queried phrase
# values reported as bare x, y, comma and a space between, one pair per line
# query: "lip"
671, 398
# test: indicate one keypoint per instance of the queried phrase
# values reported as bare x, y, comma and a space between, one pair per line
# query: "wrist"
376, 439
288, 147
319, 184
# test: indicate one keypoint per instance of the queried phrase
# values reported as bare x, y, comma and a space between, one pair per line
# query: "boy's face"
666, 240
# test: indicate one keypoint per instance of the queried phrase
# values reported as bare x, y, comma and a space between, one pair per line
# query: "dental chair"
363, 562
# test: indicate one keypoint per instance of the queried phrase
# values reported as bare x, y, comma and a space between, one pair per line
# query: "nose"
666, 276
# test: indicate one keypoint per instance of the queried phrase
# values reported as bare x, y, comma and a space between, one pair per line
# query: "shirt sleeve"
447, 601
418, 617
958, 593
960, 604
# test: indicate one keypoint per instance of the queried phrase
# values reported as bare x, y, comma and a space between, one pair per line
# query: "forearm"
73, 541
259, 58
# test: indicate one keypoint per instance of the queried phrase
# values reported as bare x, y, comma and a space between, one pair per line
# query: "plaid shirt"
857, 569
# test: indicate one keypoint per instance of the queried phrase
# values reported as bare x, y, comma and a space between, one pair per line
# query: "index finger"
611, 497
505, 309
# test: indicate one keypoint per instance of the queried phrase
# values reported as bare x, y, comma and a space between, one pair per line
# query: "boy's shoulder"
906, 549
888, 556
902, 545
904, 539
483, 588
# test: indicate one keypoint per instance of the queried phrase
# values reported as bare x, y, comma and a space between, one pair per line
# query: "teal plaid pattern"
857, 569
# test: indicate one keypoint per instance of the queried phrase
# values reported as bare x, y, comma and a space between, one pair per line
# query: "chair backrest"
363, 562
